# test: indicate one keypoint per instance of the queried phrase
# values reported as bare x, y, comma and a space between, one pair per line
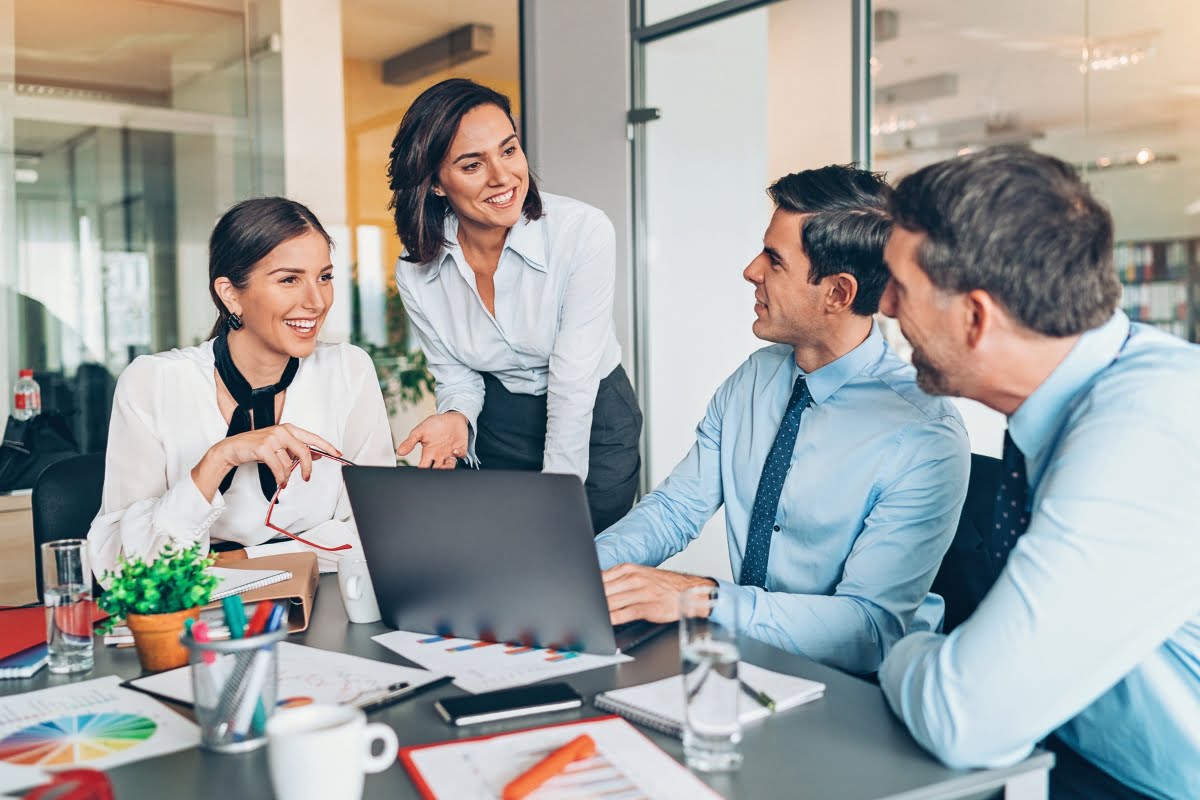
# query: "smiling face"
286, 298
485, 176
787, 305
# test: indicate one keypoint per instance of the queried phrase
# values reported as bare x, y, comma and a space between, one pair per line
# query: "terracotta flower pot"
157, 638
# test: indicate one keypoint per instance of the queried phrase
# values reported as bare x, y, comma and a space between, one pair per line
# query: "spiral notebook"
238, 581
659, 705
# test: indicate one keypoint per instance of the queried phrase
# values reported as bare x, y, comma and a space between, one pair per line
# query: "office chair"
966, 573
66, 497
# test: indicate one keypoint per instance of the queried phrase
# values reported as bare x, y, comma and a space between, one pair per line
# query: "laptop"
505, 556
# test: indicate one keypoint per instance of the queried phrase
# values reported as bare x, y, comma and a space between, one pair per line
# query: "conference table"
844, 746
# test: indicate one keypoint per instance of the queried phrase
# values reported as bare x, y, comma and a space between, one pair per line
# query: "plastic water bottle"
27, 396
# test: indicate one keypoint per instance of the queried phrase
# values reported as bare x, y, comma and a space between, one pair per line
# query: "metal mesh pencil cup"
234, 684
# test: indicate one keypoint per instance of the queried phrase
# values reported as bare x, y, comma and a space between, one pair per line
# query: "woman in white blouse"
511, 295
194, 452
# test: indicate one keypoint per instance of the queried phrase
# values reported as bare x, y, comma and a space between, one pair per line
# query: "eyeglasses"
275, 499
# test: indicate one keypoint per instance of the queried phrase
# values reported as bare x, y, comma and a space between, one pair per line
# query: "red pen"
259, 621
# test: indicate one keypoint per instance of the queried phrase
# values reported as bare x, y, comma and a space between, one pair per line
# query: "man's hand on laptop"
635, 592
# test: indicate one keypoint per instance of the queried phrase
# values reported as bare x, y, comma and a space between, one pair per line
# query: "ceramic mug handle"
378, 732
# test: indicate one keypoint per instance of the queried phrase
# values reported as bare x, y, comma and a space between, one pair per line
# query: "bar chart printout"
485, 666
627, 765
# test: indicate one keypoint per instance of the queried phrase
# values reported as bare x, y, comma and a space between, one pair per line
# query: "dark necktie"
261, 401
1011, 516
770, 486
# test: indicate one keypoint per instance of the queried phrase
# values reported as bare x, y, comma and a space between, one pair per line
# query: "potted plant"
155, 598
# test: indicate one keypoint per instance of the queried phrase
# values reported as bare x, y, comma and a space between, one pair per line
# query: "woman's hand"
276, 446
443, 439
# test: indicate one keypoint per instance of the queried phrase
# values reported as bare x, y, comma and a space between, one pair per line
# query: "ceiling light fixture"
1109, 54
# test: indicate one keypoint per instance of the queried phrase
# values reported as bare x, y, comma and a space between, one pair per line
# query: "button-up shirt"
1093, 627
552, 332
869, 506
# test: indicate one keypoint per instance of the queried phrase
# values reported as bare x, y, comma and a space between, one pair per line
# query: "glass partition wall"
126, 131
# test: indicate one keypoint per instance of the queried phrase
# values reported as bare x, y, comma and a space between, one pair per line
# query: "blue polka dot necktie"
1011, 515
770, 486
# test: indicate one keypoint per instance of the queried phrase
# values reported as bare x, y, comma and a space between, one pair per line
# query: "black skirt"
512, 435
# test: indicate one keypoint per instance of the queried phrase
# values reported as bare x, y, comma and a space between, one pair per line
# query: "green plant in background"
404, 376
175, 581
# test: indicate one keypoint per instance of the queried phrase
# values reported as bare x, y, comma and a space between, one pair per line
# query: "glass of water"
67, 586
711, 729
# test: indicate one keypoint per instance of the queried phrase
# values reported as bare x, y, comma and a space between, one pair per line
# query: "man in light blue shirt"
1002, 279
862, 474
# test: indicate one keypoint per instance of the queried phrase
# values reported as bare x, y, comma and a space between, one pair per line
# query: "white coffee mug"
358, 595
321, 752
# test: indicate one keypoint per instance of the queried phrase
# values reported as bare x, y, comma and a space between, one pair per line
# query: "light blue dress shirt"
553, 331
1093, 627
869, 506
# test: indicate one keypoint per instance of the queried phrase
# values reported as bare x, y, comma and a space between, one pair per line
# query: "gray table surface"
845, 746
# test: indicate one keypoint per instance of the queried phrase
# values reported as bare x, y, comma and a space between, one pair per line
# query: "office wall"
576, 92
314, 133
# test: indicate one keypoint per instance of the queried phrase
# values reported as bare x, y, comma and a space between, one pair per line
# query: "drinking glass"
67, 588
709, 651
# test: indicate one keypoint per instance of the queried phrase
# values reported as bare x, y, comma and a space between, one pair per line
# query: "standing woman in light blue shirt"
510, 292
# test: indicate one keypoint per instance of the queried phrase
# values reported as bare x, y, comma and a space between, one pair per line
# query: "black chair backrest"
66, 498
966, 573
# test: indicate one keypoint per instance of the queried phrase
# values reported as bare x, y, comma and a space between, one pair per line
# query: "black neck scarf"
261, 401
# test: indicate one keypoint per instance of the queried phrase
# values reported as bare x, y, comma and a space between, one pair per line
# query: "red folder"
21, 629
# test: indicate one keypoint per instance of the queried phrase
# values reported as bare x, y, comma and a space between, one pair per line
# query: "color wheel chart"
67, 741
94, 723
479, 666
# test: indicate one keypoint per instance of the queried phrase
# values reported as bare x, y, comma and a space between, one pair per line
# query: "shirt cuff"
734, 607
184, 515
471, 458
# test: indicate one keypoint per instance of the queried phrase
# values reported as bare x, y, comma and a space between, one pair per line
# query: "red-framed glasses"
275, 499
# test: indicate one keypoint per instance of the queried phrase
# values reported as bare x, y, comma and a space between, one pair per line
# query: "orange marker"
579, 748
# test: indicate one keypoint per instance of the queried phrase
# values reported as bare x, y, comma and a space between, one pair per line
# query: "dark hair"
845, 228
245, 234
1020, 225
418, 149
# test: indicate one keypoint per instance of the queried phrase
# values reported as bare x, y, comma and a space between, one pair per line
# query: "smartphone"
508, 703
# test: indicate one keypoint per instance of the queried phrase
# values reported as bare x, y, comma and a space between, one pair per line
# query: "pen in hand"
577, 749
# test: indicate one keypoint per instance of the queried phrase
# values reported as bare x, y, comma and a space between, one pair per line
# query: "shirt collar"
526, 239
823, 382
1034, 426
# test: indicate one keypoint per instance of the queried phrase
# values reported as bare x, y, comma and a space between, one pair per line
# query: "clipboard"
300, 590
642, 761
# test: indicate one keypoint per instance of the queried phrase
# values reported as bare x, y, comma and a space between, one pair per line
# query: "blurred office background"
127, 127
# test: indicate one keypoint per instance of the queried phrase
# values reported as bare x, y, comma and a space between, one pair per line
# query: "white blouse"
165, 418
553, 331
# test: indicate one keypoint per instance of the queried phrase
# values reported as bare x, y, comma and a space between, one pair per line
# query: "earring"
234, 322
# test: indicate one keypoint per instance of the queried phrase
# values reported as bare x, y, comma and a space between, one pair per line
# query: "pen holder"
234, 683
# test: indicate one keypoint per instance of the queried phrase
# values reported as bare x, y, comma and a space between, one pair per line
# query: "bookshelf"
1161, 284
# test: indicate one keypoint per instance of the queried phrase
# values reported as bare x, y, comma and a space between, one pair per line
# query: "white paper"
13, 778
306, 675
96, 724
627, 765
486, 666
